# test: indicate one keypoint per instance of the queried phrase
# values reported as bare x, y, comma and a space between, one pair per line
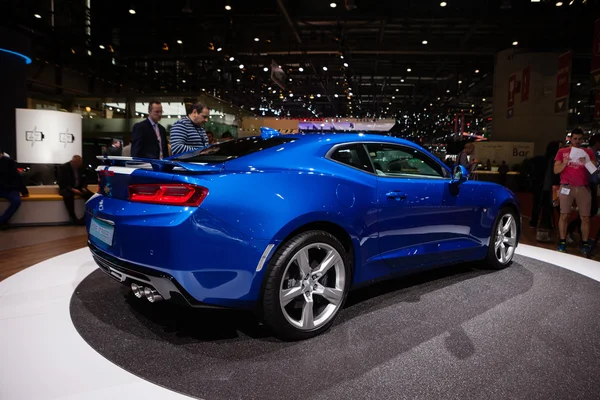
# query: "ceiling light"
237, 80
219, 49
443, 4
324, 68
333, 5
291, 94
319, 95
228, 7
401, 80
559, 4
179, 42
241, 66
515, 43
476, 71
408, 70
231, 58
459, 82
301, 69
183, 81
256, 39
578, 83
346, 65
37, 16
483, 99
266, 69
335, 95
424, 42
131, 11
101, 46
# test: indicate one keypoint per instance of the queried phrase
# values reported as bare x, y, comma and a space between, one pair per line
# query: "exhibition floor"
529, 331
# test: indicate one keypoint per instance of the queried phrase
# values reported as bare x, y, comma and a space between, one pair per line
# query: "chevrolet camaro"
286, 225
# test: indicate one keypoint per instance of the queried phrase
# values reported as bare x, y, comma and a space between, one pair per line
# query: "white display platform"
42, 212
43, 356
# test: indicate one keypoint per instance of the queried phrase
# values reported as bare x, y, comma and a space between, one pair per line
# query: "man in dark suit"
71, 183
149, 138
10, 186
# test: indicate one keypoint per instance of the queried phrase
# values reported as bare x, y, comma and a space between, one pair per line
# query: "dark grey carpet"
527, 332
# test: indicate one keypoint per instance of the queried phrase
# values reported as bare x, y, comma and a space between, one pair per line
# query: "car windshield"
233, 149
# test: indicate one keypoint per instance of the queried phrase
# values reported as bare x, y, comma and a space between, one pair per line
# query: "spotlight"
219, 49
424, 42
101, 46
333, 5
301, 69
515, 43
443, 4
256, 39
476, 71
324, 68
408, 70
559, 4
228, 7
38, 16
131, 11
241, 66
266, 69
231, 58
179, 42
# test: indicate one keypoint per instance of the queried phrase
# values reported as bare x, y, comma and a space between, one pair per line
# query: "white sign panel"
511, 152
47, 137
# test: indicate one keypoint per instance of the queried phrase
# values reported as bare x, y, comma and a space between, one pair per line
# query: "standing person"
10, 186
575, 226
71, 183
574, 185
463, 157
149, 138
188, 133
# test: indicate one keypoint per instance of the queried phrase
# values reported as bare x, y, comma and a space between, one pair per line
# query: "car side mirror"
459, 174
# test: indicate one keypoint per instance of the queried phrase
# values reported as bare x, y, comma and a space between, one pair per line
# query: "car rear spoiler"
159, 165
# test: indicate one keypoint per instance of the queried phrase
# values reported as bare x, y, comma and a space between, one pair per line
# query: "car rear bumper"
127, 273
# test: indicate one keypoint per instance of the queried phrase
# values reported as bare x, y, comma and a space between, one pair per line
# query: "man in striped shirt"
188, 133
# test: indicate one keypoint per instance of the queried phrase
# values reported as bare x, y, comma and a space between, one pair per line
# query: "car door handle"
396, 195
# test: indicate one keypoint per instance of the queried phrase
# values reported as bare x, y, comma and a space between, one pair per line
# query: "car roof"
335, 138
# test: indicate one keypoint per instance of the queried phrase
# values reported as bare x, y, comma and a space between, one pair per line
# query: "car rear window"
233, 149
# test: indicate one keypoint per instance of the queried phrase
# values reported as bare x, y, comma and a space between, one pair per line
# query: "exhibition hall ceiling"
360, 58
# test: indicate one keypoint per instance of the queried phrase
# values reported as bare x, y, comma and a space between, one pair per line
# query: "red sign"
597, 105
526, 80
596, 55
563, 77
512, 83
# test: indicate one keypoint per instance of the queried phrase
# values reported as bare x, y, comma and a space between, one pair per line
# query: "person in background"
503, 171
575, 226
115, 148
463, 157
71, 183
188, 133
149, 138
211, 138
11, 185
574, 186
226, 136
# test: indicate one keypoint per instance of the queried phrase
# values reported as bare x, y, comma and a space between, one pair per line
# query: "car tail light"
168, 194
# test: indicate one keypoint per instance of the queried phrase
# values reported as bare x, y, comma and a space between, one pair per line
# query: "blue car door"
416, 225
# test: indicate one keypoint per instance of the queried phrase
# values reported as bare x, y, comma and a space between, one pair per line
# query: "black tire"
273, 313
493, 259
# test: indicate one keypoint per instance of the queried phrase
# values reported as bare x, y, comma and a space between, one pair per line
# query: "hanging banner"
277, 74
596, 55
526, 84
563, 82
512, 83
597, 105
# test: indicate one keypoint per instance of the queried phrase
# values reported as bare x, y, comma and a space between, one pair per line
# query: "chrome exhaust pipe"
138, 291
152, 295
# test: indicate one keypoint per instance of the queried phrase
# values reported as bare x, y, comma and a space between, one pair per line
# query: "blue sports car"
286, 225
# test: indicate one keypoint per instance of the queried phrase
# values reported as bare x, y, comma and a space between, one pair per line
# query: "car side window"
403, 161
353, 155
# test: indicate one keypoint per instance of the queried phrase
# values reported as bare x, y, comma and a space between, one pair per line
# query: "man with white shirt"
149, 138
574, 185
